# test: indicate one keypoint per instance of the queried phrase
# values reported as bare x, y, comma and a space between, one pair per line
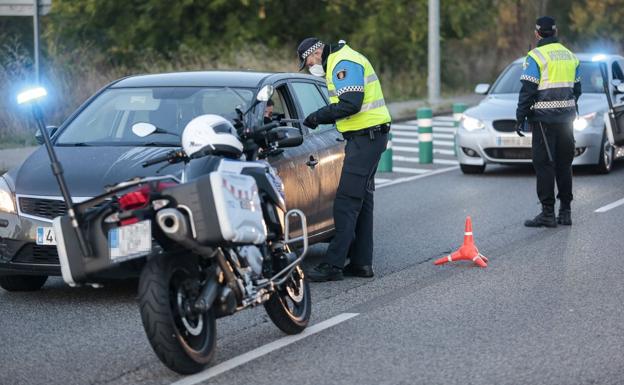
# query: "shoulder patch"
341, 74
525, 65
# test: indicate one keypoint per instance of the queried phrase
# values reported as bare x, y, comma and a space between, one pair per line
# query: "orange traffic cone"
468, 251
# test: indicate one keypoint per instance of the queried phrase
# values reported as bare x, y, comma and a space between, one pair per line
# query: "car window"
310, 99
509, 81
617, 71
108, 119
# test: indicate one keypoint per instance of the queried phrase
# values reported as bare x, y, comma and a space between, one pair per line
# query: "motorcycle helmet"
213, 134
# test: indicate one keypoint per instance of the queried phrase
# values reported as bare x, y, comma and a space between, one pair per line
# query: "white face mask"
317, 70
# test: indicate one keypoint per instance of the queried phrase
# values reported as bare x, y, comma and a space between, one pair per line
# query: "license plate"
514, 141
131, 241
45, 236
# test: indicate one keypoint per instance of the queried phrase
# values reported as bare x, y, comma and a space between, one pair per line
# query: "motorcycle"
214, 242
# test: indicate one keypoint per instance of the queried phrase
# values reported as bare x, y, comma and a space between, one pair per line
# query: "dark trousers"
353, 207
560, 138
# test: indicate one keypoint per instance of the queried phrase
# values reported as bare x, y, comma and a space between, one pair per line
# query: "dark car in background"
97, 148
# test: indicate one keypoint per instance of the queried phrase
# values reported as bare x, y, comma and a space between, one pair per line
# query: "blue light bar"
30, 95
599, 57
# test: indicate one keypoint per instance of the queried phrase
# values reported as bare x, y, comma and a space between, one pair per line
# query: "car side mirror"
286, 137
482, 88
39, 135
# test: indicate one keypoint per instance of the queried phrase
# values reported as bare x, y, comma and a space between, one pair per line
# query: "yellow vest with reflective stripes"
374, 110
557, 66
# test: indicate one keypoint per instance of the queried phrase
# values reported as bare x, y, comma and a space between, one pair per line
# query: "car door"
328, 145
301, 182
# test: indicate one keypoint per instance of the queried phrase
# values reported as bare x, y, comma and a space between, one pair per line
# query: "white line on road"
610, 206
411, 178
415, 135
416, 141
262, 350
409, 170
409, 159
414, 149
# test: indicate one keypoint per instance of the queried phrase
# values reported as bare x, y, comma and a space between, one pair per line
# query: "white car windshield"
108, 120
509, 81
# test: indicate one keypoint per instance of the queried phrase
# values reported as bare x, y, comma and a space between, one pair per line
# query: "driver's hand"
310, 121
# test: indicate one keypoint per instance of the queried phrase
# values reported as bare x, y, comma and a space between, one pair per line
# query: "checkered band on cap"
311, 50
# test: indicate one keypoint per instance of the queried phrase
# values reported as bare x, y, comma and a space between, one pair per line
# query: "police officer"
548, 102
359, 111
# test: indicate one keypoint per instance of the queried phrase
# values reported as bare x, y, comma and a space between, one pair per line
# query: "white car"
487, 133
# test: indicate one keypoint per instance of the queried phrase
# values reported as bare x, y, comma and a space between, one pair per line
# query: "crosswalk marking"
415, 149
415, 135
409, 159
410, 170
416, 141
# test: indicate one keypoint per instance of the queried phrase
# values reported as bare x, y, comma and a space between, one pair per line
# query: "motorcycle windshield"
108, 120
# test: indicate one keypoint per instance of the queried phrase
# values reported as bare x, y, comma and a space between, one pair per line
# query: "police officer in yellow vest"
550, 90
359, 111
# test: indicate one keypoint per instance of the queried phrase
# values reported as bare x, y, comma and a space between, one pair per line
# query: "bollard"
385, 162
458, 112
425, 135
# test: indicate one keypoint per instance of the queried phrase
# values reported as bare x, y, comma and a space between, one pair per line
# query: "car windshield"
509, 81
108, 120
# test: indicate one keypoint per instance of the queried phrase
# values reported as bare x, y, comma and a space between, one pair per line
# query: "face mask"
317, 70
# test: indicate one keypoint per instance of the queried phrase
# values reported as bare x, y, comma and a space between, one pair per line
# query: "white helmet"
213, 133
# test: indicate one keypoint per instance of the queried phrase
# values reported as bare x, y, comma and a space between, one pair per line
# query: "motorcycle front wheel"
290, 306
183, 340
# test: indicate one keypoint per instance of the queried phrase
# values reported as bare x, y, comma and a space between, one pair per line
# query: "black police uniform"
353, 206
552, 139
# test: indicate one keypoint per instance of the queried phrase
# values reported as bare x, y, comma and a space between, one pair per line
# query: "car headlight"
7, 202
472, 124
581, 122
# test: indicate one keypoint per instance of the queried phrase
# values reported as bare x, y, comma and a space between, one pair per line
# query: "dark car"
97, 148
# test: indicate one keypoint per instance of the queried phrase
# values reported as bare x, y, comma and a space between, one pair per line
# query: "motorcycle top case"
223, 207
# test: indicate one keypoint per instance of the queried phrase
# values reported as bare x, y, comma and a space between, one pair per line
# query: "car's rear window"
509, 81
108, 119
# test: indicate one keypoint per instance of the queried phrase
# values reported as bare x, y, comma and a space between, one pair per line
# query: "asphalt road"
547, 310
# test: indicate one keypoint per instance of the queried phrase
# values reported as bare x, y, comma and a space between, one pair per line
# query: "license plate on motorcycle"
130, 241
514, 141
45, 236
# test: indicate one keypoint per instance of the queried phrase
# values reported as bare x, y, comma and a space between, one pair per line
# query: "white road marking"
410, 159
262, 350
415, 149
409, 170
382, 180
415, 135
411, 178
416, 141
610, 206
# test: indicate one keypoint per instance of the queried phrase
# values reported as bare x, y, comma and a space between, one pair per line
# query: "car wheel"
472, 169
605, 160
22, 282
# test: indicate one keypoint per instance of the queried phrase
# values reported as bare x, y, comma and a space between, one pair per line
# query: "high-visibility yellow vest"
374, 110
557, 66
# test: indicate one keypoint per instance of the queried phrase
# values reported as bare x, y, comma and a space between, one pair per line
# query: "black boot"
363, 271
565, 216
546, 218
325, 272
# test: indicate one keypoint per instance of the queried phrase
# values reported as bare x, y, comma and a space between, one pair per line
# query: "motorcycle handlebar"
167, 157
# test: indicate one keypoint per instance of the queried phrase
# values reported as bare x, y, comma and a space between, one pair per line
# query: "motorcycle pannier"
223, 207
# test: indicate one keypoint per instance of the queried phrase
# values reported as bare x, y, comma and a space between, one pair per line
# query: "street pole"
434, 51
36, 37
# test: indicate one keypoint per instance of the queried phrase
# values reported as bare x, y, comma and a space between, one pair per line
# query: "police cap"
306, 48
545, 26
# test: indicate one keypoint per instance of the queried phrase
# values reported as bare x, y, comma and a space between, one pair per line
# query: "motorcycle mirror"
143, 129
265, 93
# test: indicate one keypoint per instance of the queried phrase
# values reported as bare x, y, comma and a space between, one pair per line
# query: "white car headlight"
7, 202
472, 124
581, 122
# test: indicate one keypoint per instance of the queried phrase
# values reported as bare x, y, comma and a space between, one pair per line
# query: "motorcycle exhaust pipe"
174, 224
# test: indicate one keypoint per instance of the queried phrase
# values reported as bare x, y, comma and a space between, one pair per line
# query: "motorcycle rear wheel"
183, 341
290, 306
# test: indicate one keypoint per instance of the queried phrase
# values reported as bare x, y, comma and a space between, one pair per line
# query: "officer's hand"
520, 129
310, 121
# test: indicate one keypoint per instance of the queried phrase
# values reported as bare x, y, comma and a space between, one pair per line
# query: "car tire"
22, 282
472, 169
605, 160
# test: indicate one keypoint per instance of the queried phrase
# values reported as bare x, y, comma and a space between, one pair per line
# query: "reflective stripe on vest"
555, 97
373, 111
